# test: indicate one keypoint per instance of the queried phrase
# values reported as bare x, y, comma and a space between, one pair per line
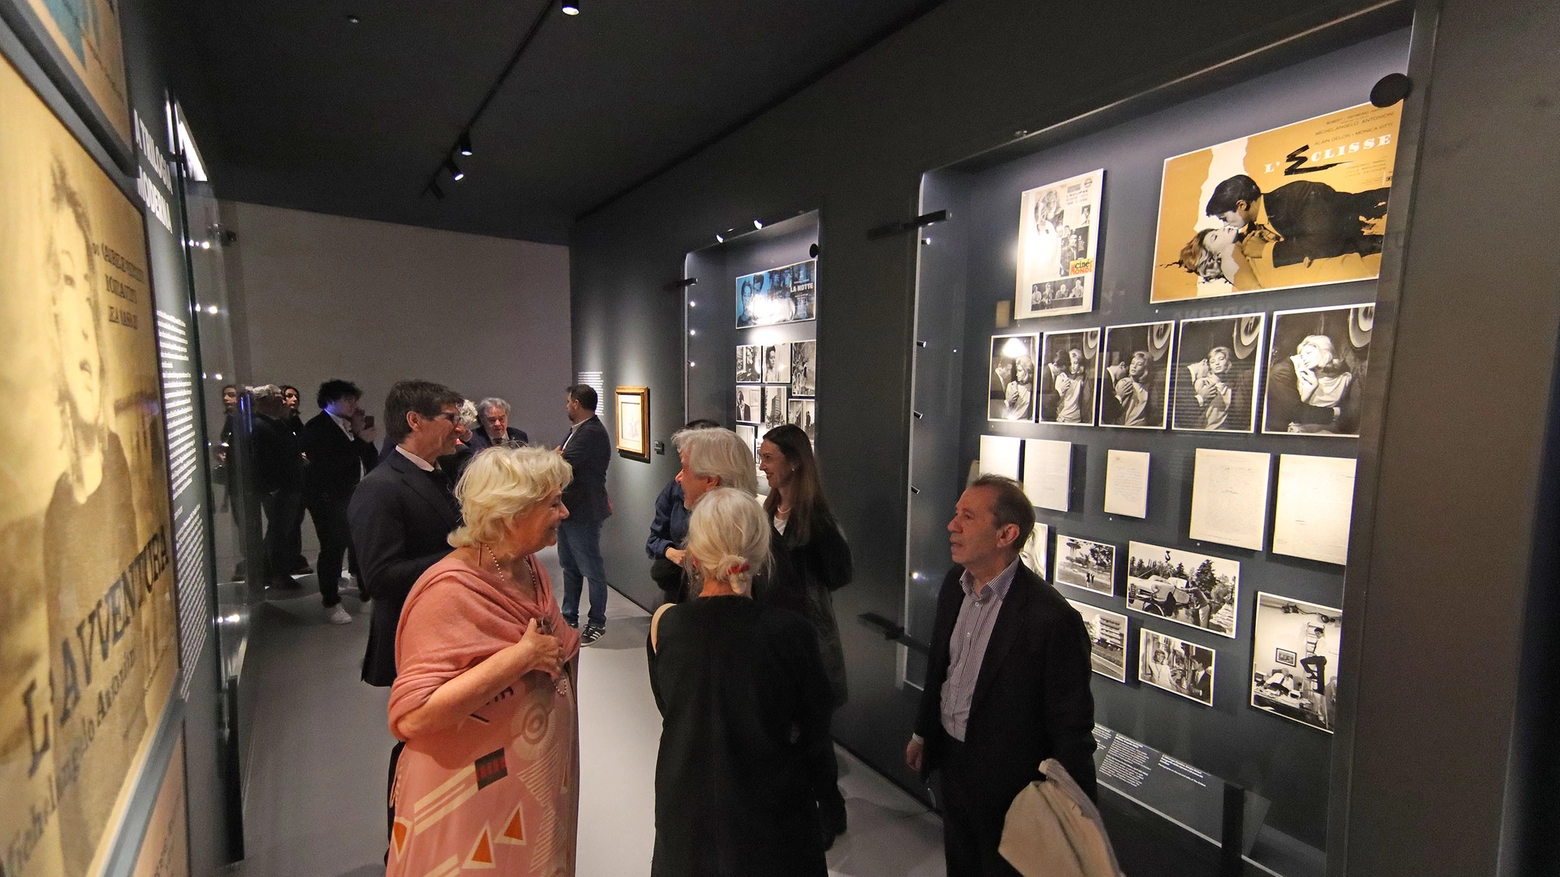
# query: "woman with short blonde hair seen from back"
484, 695
745, 712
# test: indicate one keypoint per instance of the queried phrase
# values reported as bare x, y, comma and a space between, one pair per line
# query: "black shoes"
591, 634
831, 819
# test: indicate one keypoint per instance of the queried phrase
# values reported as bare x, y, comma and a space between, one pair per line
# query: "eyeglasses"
451, 416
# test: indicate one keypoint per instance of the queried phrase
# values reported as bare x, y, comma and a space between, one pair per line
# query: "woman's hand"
539, 651
675, 555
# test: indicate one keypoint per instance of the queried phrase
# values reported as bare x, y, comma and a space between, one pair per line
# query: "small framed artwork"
1286, 657
633, 422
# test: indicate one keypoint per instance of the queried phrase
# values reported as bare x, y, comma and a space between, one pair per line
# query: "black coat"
278, 458
401, 517
1032, 699
480, 441
336, 461
589, 451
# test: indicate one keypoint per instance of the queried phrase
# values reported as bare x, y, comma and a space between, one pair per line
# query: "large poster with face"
1058, 247
1317, 370
788, 294
87, 624
1300, 205
86, 34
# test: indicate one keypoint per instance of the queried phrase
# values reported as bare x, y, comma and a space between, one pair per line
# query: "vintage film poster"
1135, 385
1058, 247
1176, 665
777, 363
788, 294
774, 407
1300, 205
750, 365
1107, 640
1069, 380
1216, 362
750, 403
804, 368
1193, 589
1085, 564
86, 33
88, 631
1011, 393
1033, 554
1316, 371
1294, 660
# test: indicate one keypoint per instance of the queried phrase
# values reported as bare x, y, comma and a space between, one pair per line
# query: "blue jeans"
579, 552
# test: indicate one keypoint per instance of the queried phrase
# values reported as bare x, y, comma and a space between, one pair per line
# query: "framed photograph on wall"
1135, 385
750, 403
1300, 205
1085, 564
1193, 589
1107, 640
1316, 371
788, 294
1294, 660
81, 47
803, 414
749, 435
1216, 363
775, 408
750, 366
1058, 241
1012, 377
1070, 378
633, 422
804, 368
1176, 665
777, 364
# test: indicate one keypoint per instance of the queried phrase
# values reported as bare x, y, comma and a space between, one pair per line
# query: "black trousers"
972, 820
329, 514
281, 547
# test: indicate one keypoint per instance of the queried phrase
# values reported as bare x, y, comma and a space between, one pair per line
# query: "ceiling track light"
757, 224
570, 7
463, 145
456, 173
433, 189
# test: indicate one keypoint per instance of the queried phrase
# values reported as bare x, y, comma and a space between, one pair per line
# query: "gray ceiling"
300, 108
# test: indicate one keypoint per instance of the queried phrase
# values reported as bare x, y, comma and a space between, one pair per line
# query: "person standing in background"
821, 561
667, 532
279, 481
493, 426
290, 398
339, 442
588, 449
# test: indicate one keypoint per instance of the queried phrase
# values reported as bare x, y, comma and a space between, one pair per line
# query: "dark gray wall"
967, 75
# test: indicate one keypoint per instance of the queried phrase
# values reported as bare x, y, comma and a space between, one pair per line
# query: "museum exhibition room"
435, 423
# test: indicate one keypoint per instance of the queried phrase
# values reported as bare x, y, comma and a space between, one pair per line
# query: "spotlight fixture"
757, 224
463, 146
570, 7
353, 19
720, 238
456, 173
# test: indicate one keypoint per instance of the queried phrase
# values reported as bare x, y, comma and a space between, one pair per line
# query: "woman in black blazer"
821, 560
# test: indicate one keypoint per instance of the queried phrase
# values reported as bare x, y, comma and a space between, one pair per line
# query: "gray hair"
490, 403
502, 483
265, 392
728, 538
719, 453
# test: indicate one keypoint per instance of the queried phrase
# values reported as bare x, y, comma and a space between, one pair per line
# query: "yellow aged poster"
87, 621
1300, 205
87, 34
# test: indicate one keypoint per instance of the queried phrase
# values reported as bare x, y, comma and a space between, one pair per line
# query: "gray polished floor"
319, 749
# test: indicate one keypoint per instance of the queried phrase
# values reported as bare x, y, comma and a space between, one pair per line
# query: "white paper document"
1048, 473
1229, 497
1315, 503
1126, 483
999, 455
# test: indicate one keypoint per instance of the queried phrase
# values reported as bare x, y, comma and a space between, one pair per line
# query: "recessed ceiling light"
757, 224
353, 19
570, 7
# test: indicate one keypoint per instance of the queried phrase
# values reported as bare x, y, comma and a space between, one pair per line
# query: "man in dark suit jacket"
1007, 683
493, 426
279, 482
588, 449
340, 446
403, 511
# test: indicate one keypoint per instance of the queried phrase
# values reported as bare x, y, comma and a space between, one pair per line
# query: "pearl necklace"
543, 624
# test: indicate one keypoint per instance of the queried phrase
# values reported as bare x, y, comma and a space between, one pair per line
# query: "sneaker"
591, 634
337, 614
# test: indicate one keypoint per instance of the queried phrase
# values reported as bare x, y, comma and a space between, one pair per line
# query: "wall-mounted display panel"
88, 629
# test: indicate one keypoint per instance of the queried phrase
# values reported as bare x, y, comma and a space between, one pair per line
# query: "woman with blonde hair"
484, 696
745, 710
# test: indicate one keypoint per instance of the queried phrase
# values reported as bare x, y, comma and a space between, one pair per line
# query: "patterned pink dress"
500, 789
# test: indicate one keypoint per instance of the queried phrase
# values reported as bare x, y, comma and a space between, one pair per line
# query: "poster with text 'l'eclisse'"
87, 623
1300, 205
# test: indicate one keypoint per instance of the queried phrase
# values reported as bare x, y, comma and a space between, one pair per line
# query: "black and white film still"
804, 368
1193, 589
803, 413
1294, 660
1070, 378
774, 407
1176, 665
1085, 564
1107, 640
750, 403
750, 366
777, 364
1135, 388
749, 435
1316, 370
1216, 373
1012, 377
1035, 550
